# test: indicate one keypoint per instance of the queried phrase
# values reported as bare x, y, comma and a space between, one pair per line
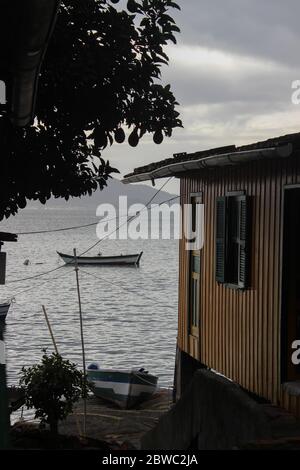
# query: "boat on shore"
120, 260
4, 308
124, 388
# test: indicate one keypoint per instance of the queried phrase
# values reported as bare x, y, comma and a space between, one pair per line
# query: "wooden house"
239, 296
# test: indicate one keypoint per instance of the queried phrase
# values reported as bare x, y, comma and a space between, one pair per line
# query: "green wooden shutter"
244, 241
220, 239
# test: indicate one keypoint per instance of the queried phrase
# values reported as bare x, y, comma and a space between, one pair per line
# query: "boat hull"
124, 388
122, 260
4, 311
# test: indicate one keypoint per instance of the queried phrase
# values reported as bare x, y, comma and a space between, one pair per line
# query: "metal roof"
280, 147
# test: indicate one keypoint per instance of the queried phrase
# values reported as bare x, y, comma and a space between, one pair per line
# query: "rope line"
35, 276
129, 219
63, 229
92, 224
39, 285
120, 287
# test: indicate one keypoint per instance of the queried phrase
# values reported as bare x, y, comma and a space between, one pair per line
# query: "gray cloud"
231, 72
260, 28
206, 84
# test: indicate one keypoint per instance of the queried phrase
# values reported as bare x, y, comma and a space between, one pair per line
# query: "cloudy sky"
232, 72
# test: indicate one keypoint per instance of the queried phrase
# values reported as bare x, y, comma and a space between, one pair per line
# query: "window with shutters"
232, 240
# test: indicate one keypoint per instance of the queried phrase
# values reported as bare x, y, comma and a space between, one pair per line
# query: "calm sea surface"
130, 314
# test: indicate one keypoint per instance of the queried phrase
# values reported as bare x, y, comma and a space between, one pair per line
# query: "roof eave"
221, 160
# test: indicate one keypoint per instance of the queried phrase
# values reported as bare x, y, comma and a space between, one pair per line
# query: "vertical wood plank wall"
240, 330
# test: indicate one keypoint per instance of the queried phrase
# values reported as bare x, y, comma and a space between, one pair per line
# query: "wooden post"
4, 412
82, 342
2, 265
50, 329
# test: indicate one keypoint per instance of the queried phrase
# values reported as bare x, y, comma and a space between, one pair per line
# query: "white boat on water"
121, 260
4, 310
124, 388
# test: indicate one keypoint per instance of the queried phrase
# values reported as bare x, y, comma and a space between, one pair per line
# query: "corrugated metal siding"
240, 331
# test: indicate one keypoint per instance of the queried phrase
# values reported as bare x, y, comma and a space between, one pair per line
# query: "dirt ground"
122, 428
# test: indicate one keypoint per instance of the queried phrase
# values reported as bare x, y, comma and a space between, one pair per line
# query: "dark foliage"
100, 76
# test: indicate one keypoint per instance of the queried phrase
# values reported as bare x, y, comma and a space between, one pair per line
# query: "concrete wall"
185, 368
212, 413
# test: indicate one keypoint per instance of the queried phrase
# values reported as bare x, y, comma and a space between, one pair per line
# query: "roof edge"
219, 160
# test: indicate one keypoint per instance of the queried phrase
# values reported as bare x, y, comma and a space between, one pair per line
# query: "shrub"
51, 388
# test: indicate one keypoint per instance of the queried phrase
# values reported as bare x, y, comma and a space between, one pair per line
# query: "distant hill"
136, 193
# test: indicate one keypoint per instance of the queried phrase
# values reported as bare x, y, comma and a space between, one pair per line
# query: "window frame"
223, 242
194, 330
